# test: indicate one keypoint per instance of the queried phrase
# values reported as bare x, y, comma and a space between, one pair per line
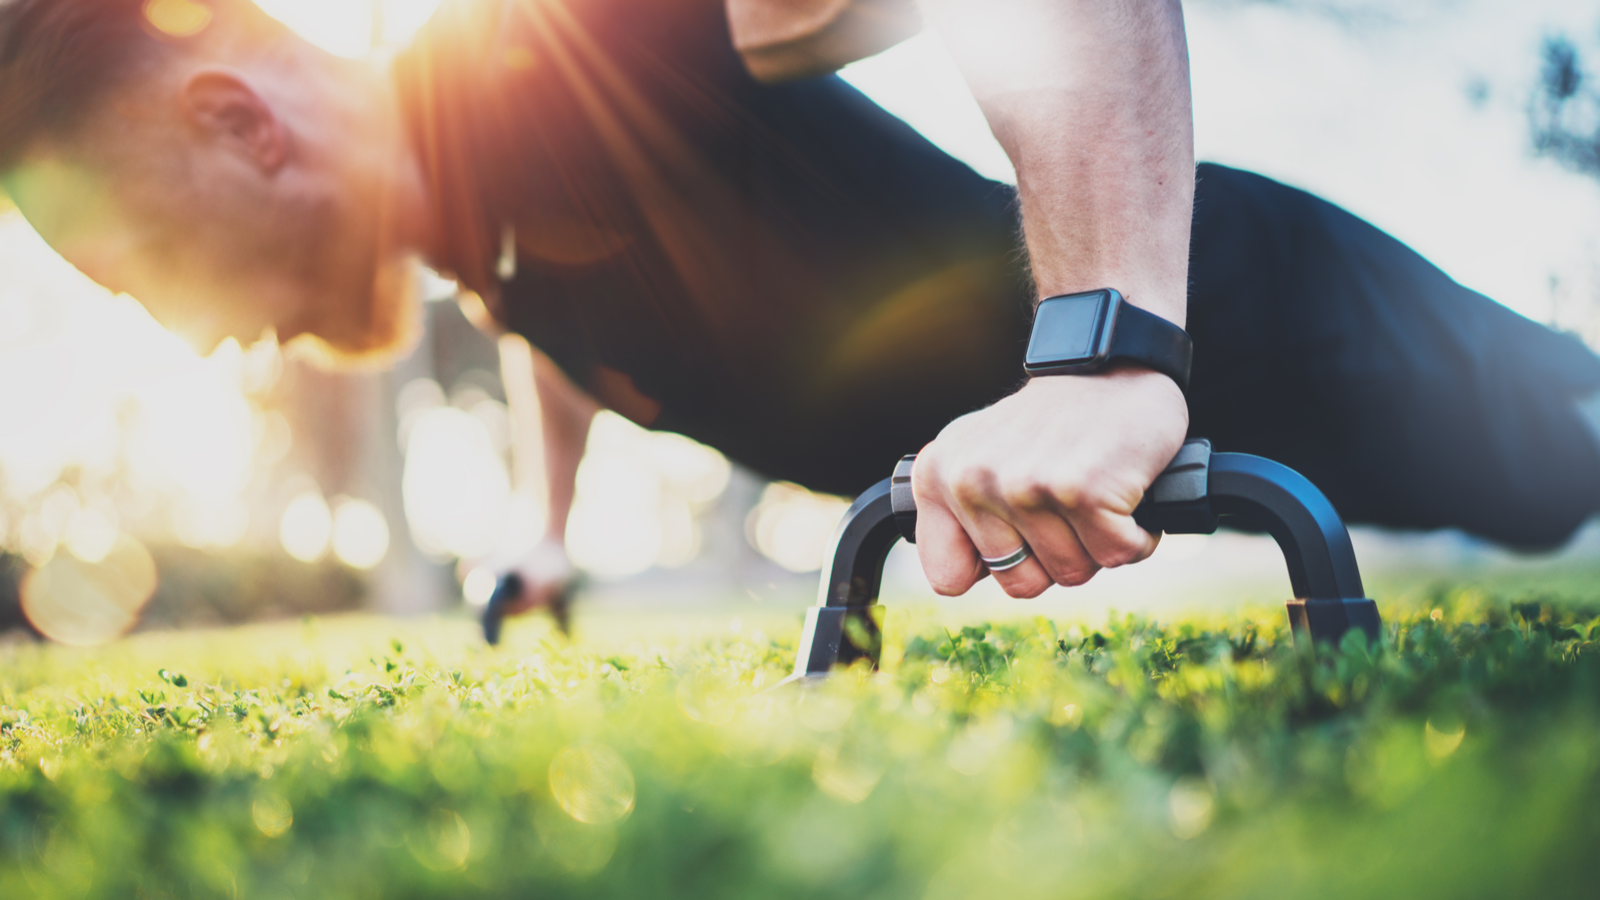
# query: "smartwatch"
1078, 334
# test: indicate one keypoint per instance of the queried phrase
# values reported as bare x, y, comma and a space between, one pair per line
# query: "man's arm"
551, 419
565, 414
781, 40
1091, 102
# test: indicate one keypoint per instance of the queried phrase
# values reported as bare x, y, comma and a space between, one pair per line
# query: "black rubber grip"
1176, 502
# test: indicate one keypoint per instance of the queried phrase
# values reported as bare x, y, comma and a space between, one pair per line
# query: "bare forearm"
565, 413
1091, 101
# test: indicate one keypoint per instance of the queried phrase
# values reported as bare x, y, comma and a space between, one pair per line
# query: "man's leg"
1410, 400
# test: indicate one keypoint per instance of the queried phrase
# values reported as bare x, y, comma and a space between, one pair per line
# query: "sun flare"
352, 28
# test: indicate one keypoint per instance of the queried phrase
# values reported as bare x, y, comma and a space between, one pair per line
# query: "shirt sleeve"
784, 40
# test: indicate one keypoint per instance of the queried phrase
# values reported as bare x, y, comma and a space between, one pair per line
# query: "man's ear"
221, 103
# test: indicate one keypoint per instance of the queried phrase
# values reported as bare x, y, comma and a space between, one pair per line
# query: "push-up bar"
1196, 493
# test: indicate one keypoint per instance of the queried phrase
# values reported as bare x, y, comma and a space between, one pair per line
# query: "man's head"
199, 156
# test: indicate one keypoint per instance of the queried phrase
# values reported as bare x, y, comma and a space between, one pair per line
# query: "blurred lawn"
363, 757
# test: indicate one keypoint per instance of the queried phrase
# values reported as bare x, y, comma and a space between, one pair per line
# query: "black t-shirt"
798, 277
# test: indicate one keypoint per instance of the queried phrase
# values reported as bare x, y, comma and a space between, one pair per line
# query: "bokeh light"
178, 18
1190, 804
87, 370
306, 527
792, 526
360, 533
640, 495
272, 814
114, 424
692, 470
615, 528
209, 525
455, 484
445, 842
593, 783
92, 534
193, 439
478, 586
350, 28
196, 434
86, 603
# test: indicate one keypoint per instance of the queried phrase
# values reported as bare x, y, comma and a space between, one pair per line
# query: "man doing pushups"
702, 229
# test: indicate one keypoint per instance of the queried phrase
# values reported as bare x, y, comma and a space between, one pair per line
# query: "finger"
995, 538
1111, 538
948, 556
1057, 547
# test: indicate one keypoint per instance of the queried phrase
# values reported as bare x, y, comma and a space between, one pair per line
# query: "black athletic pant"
1411, 401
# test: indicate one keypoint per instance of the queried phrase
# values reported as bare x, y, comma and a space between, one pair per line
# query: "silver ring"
1009, 561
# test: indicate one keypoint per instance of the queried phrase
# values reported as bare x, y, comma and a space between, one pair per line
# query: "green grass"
354, 758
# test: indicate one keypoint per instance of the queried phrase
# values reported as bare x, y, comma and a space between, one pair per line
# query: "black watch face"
1066, 330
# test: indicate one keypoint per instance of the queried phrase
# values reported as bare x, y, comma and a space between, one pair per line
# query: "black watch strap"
1153, 342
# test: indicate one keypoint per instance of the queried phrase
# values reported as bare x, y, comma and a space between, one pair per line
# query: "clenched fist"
1058, 467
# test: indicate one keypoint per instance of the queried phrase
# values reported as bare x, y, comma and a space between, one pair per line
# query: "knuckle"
927, 480
1075, 576
1122, 553
1023, 492
972, 485
1117, 558
930, 461
1137, 554
1093, 495
1071, 493
924, 472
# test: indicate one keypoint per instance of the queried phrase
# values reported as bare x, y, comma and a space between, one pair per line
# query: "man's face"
216, 247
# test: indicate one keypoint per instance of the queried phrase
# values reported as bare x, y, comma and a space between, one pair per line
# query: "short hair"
59, 57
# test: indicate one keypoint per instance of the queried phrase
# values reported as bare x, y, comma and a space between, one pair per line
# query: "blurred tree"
1565, 111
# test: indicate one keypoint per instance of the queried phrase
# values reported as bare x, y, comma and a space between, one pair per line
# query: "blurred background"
144, 486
